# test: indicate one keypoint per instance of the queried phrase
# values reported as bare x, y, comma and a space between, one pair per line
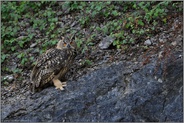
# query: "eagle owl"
52, 66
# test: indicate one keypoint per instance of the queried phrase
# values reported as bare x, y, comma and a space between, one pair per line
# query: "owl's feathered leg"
59, 85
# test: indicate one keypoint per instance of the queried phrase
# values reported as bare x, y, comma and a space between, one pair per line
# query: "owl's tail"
32, 87
32, 84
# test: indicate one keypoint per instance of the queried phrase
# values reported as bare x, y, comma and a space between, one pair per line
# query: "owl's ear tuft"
62, 38
73, 36
59, 44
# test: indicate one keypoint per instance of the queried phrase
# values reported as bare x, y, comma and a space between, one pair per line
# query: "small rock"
23, 33
174, 43
166, 10
59, 13
175, 24
27, 24
160, 80
180, 56
9, 78
153, 41
35, 51
147, 42
160, 54
73, 24
66, 9
106, 42
61, 24
179, 38
12, 65
33, 45
162, 39
21, 37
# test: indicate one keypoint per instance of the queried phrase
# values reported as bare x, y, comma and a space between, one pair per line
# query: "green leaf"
49, 13
3, 57
31, 58
21, 44
17, 70
115, 13
115, 42
115, 24
12, 48
84, 49
93, 13
124, 41
53, 42
24, 60
135, 6
88, 62
118, 46
21, 55
52, 36
127, 25
131, 40
98, 8
164, 20
140, 22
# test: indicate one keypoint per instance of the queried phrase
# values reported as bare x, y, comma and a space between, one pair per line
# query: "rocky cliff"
115, 93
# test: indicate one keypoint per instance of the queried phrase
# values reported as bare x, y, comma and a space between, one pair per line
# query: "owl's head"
66, 42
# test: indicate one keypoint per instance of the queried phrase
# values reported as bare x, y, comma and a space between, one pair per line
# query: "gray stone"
59, 13
174, 43
160, 80
22, 33
74, 24
21, 37
110, 94
162, 38
106, 42
179, 39
33, 45
27, 24
147, 42
9, 78
35, 50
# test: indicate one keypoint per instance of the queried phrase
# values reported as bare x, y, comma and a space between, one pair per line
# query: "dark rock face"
115, 93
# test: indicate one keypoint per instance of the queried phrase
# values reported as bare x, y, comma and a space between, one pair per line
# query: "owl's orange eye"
64, 44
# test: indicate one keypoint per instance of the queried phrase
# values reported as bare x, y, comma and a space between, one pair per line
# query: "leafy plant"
3, 57
26, 22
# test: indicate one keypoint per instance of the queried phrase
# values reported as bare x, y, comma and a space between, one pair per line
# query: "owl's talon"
61, 88
63, 83
59, 85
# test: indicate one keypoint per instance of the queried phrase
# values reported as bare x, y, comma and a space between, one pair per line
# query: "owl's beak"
68, 46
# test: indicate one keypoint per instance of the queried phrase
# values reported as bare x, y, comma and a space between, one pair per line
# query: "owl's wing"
48, 65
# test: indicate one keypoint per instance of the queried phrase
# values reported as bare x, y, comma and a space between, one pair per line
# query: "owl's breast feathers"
49, 65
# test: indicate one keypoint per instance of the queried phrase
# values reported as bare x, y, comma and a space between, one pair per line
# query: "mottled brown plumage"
53, 65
